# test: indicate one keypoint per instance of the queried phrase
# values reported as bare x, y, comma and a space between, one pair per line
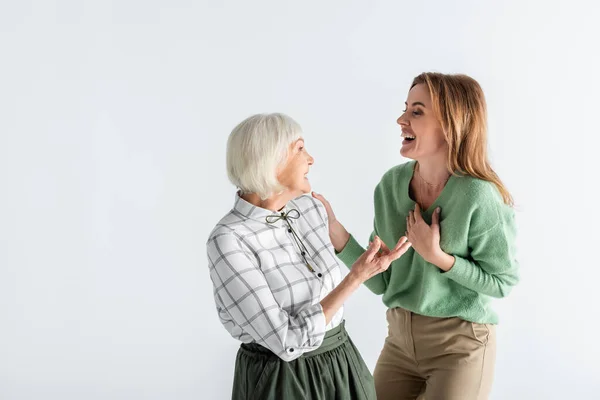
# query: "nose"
311, 160
402, 120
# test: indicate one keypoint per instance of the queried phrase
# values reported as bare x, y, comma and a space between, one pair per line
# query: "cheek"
296, 171
285, 176
440, 139
432, 135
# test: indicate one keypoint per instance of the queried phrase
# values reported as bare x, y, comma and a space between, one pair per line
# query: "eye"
416, 113
300, 148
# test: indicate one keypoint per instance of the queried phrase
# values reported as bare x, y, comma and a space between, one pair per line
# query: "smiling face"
422, 132
293, 173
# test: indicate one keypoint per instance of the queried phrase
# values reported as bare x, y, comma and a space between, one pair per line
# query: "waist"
473, 311
333, 338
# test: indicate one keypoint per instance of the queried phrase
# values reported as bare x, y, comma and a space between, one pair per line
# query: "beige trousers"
435, 358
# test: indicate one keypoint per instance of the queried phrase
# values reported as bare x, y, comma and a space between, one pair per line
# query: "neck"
274, 203
433, 170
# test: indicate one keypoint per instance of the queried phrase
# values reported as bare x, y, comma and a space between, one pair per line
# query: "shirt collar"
256, 213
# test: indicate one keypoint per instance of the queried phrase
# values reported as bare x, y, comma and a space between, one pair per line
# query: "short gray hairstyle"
256, 147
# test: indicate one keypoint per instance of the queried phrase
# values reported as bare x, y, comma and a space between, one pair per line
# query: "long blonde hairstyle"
459, 104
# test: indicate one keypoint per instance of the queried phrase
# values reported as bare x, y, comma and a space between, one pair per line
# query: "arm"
367, 267
351, 252
241, 291
492, 268
347, 248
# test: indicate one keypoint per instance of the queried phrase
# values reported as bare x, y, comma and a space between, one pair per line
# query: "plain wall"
113, 123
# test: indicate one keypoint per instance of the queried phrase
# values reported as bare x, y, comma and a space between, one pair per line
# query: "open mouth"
408, 138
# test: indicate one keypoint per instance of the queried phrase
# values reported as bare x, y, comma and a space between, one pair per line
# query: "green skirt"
333, 371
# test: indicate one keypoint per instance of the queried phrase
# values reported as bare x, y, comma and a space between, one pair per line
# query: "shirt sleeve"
242, 292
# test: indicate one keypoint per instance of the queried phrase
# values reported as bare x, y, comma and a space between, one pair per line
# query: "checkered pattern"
263, 289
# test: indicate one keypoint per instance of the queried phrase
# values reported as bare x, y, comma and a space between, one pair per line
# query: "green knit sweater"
476, 227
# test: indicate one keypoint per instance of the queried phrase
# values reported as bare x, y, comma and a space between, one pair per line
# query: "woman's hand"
426, 238
338, 235
377, 258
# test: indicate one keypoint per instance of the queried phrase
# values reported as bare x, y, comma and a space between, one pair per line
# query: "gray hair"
256, 147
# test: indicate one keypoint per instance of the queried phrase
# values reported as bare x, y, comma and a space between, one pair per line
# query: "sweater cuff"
460, 271
350, 252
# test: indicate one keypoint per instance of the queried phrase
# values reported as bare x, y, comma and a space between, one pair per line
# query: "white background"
113, 123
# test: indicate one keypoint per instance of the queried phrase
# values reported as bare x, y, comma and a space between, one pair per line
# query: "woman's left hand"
425, 238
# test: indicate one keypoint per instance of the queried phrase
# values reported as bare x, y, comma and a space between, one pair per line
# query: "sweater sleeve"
351, 252
491, 268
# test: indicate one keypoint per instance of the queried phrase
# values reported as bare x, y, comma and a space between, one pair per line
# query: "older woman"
278, 286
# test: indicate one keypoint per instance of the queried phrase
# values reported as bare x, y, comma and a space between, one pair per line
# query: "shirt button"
339, 338
289, 230
291, 350
319, 274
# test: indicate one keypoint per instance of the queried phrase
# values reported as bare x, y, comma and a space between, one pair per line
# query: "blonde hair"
256, 147
459, 104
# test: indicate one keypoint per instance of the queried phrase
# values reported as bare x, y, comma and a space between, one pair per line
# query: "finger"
384, 248
435, 220
320, 198
373, 249
417, 214
397, 253
401, 241
377, 243
392, 255
411, 217
323, 200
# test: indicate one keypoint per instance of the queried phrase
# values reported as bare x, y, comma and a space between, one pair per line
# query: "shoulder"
227, 229
479, 190
478, 194
393, 179
483, 201
227, 250
398, 173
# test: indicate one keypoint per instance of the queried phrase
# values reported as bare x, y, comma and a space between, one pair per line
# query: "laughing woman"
278, 285
458, 216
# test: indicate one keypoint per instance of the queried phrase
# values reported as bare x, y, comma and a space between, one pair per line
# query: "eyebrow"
416, 103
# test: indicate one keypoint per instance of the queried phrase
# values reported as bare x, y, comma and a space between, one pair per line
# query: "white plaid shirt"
264, 291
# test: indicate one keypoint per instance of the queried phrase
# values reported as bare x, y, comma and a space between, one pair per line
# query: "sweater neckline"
438, 200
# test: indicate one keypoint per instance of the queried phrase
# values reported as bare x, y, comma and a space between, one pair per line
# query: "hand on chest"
453, 232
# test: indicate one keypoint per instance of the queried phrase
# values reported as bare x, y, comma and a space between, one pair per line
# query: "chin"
405, 153
305, 188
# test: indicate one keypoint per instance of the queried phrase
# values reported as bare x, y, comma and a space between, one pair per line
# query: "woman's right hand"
377, 258
338, 235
